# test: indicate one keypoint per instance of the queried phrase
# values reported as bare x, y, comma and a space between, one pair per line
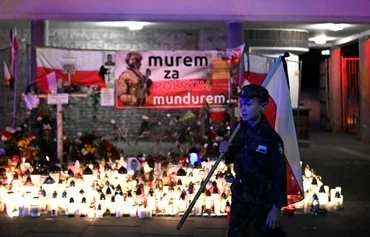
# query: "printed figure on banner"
110, 65
132, 86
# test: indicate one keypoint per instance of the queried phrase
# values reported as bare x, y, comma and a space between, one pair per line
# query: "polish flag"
85, 65
13, 50
270, 73
48, 83
281, 118
7, 75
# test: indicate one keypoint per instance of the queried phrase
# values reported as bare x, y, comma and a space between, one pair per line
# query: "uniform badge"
281, 149
261, 149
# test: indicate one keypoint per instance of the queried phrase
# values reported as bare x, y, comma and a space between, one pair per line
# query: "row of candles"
319, 198
97, 191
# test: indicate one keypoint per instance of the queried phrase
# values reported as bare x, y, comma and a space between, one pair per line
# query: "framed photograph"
133, 164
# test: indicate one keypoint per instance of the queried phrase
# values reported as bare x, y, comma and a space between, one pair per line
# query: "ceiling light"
132, 25
330, 26
320, 39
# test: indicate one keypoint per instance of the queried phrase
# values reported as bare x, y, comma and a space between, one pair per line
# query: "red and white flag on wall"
83, 64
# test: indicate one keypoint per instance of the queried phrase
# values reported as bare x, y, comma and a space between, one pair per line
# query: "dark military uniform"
260, 182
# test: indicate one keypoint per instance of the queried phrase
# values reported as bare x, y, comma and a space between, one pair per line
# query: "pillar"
235, 35
364, 86
39, 37
335, 91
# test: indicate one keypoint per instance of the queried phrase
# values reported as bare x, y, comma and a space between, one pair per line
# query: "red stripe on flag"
294, 192
84, 78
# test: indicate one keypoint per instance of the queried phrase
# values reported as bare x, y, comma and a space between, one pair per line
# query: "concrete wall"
79, 115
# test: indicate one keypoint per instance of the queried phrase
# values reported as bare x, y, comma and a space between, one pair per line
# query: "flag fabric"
48, 83
235, 54
13, 50
270, 73
85, 66
7, 75
281, 118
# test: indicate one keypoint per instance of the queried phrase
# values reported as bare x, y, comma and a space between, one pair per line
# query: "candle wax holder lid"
55, 169
118, 188
70, 173
181, 172
87, 171
322, 189
71, 200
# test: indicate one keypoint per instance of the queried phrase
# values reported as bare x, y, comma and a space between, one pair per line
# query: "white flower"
46, 126
113, 121
25, 125
18, 129
205, 145
10, 129
79, 134
215, 144
145, 117
3, 138
168, 115
64, 137
39, 118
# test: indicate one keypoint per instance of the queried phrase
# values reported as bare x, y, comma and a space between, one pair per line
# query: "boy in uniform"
259, 188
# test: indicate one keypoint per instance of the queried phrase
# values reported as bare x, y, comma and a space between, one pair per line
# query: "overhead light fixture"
320, 39
132, 25
330, 26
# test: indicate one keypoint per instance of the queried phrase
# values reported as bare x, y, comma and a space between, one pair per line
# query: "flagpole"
27, 66
241, 62
272, 71
15, 87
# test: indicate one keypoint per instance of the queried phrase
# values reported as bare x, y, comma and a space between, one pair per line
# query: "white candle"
148, 212
133, 211
91, 213
323, 200
141, 212
217, 206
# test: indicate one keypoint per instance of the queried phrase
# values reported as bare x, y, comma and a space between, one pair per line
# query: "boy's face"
250, 108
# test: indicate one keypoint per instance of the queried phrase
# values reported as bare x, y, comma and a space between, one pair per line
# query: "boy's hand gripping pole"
204, 183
